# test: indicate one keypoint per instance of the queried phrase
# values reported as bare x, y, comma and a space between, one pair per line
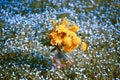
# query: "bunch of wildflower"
64, 36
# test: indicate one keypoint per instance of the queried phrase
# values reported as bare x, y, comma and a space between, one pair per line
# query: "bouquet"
63, 37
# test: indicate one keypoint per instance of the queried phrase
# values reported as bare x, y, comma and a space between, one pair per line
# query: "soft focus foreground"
25, 24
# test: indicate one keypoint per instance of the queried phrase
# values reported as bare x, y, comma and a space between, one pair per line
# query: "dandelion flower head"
64, 35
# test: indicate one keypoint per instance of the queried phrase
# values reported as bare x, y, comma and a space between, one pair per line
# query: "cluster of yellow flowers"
64, 35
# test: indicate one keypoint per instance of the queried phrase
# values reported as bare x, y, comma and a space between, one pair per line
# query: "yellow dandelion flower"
74, 46
64, 35
61, 35
53, 34
70, 45
76, 40
56, 41
65, 22
68, 49
73, 28
53, 42
60, 28
67, 41
70, 33
83, 46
